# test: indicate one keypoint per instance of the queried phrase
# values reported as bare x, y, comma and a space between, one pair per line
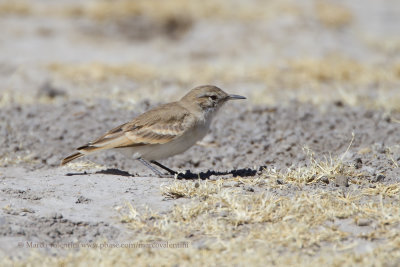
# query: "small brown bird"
164, 131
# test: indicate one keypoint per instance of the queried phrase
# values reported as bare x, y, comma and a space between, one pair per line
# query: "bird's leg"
148, 165
163, 167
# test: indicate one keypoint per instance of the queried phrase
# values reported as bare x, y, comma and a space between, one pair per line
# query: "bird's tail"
82, 151
71, 158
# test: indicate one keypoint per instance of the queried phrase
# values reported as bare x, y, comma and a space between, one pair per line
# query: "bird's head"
208, 98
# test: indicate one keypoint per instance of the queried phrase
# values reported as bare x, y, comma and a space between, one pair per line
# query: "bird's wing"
158, 126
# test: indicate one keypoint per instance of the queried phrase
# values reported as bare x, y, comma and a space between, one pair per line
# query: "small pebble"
342, 180
50, 91
363, 222
231, 184
224, 213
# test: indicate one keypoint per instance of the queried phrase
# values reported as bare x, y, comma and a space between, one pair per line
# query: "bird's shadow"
111, 171
188, 175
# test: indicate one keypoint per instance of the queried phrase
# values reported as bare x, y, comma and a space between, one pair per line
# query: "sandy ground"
52, 206
46, 203
321, 79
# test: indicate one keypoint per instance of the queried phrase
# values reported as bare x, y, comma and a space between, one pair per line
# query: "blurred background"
274, 51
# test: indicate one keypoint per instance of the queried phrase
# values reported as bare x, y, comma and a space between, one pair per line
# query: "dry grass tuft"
191, 189
83, 166
28, 158
389, 45
333, 15
14, 8
100, 72
329, 168
160, 10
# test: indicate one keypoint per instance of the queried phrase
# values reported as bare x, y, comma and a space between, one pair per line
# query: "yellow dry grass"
14, 8
388, 45
164, 10
330, 14
319, 81
156, 10
84, 165
286, 223
311, 71
7, 159
333, 15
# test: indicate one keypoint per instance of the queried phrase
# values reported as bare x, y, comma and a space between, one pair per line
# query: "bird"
163, 131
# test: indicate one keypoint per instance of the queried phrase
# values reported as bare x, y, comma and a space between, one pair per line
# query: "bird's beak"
233, 97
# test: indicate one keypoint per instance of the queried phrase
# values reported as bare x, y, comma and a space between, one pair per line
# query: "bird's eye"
213, 97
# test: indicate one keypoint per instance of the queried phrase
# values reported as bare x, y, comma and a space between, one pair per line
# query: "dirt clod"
358, 163
82, 200
380, 177
325, 179
248, 189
